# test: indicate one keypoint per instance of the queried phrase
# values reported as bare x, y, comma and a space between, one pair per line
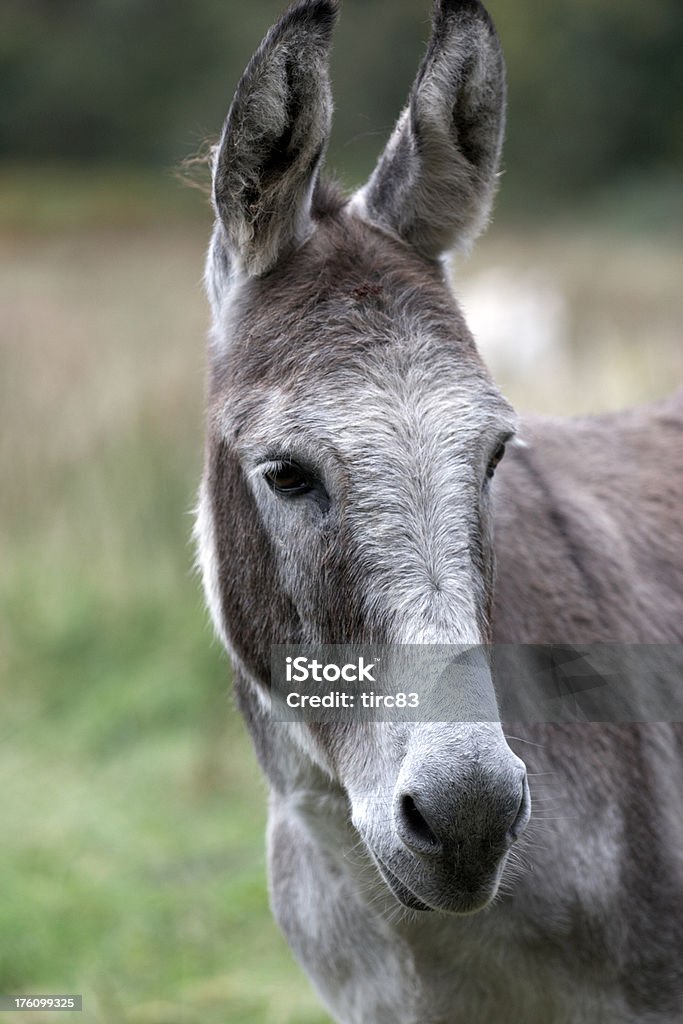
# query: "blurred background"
132, 866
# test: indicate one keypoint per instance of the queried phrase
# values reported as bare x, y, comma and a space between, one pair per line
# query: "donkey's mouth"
462, 903
400, 890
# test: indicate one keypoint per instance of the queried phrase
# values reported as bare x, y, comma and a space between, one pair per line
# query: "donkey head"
353, 431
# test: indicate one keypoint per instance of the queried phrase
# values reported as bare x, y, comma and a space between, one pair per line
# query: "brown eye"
495, 461
289, 479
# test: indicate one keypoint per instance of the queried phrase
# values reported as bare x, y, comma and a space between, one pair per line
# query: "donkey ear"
434, 185
267, 162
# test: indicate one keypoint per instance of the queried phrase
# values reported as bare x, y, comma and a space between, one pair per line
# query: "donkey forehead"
388, 403
351, 333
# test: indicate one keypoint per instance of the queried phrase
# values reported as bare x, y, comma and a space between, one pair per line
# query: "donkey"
353, 436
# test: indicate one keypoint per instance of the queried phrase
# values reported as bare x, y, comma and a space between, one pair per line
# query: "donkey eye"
496, 460
289, 479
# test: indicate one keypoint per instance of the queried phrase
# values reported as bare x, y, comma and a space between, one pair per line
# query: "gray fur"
351, 357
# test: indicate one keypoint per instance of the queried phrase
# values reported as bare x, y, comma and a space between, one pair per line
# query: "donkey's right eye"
289, 479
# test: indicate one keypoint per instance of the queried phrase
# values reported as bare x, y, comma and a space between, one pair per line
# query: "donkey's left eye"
496, 460
289, 479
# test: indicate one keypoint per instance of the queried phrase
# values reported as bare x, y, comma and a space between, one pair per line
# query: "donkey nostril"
415, 829
523, 813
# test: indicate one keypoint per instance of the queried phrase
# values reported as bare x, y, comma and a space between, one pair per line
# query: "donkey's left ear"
434, 185
269, 156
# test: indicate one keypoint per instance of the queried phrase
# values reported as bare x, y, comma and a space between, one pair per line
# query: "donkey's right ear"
267, 162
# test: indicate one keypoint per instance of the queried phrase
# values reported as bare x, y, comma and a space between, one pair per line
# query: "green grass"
132, 866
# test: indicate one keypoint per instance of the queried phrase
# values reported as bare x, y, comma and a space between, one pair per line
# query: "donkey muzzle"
454, 821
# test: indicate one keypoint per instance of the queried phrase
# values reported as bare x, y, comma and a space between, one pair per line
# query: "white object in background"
518, 319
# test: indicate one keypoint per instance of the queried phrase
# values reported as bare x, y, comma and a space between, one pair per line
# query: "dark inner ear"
467, 131
283, 153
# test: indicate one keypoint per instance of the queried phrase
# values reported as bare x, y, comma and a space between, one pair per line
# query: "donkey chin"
445, 840
450, 889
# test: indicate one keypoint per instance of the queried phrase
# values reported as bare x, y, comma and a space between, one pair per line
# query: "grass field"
132, 866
